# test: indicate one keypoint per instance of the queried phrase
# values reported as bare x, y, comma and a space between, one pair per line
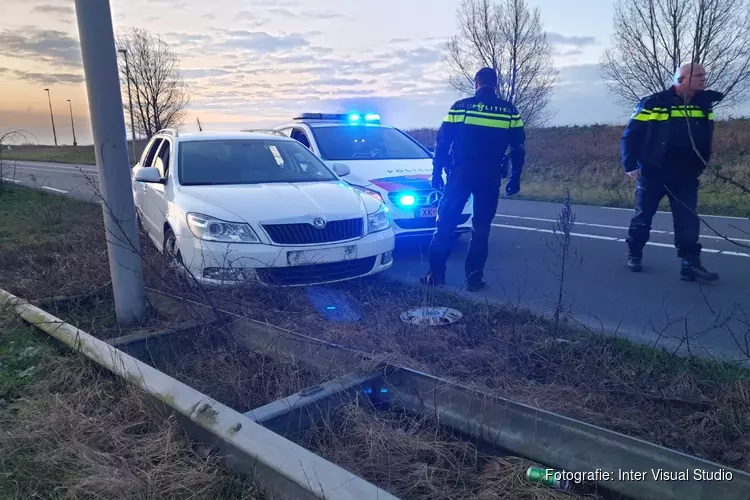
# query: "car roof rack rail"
169, 131
265, 131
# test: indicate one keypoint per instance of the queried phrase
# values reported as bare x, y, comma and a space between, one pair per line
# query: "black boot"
634, 262
693, 270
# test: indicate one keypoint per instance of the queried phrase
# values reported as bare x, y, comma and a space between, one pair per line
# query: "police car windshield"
248, 161
355, 142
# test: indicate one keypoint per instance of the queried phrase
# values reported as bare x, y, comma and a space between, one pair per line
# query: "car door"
156, 205
141, 188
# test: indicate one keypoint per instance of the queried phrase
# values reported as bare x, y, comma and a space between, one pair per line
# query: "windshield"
248, 161
354, 142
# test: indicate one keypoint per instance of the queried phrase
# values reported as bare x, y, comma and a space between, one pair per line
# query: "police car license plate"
428, 212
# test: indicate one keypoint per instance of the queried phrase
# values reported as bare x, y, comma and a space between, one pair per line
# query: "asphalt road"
654, 306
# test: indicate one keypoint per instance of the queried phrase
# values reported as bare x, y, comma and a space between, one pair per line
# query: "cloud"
48, 78
339, 81
306, 14
59, 10
566, 53
49, 46
576, 41
260, 41
203, 73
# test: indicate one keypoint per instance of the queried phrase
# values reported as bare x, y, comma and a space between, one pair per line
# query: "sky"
257, 63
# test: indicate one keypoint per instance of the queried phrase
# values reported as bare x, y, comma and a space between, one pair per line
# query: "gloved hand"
513, 186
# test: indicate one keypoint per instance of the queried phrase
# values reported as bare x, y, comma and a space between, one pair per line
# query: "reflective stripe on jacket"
474, 138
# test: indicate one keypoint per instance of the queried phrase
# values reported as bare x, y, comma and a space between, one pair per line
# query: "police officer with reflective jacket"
471, 147
658, 151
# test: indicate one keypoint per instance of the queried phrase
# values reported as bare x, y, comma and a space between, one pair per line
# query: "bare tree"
159, 92
654, 37
508, 37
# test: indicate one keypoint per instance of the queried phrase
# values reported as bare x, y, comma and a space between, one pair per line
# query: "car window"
248, 161
361, 142
299, 135
147, 158
161, 162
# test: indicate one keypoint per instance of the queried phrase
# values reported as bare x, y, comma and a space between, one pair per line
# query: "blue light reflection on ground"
332, 304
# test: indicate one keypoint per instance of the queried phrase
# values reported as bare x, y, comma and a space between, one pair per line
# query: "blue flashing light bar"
349, 117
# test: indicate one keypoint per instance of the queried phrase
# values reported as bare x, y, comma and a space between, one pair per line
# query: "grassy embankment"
692, 405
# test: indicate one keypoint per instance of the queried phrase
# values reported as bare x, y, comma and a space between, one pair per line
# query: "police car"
382, 161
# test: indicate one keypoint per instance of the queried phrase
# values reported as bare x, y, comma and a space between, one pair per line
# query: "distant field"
586, 160
582, 159
83, 155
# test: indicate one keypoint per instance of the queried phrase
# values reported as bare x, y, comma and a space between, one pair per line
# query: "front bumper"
420, 219
222, 264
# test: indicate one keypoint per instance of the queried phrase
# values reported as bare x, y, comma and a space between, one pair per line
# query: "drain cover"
431, 316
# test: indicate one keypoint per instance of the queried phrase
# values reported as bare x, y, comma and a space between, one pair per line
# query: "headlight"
368, 192
211, 229
380, 220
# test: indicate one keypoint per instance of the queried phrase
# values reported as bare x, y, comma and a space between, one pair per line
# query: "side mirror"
341, 169
149, 174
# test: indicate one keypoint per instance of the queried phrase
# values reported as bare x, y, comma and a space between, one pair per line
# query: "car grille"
307, 234
424, 222
316, 273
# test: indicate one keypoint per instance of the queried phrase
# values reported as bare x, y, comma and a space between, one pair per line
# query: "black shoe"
430, 280
693, 270
476, 286
634, 263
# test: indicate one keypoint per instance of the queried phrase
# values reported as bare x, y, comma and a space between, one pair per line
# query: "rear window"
363, 142
248, 161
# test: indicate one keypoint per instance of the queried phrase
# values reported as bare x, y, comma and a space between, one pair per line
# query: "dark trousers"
683, 199
457, 192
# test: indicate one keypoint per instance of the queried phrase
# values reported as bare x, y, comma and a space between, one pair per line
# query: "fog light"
386, 258
223, 273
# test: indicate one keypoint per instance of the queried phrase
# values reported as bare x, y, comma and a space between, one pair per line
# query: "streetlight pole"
99, 57
72, 125
54, 134
130, 101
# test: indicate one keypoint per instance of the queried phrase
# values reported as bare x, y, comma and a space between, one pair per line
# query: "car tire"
171, 250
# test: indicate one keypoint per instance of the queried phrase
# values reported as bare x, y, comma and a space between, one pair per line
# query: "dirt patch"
414, 458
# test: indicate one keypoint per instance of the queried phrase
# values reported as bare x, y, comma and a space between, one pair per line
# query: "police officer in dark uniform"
472, 147
658, 151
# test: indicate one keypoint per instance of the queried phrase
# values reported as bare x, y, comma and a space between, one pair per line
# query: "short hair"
486, 77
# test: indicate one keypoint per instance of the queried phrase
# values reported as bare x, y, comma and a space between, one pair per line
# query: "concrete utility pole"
72, 125
130, 101
54, 134
110, 144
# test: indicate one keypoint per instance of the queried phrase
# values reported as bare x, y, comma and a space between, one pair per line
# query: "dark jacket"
658, 137
473, 139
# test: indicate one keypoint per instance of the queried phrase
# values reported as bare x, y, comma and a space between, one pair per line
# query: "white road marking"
623, 228
59, 171
11, 180
664, 212
54, 189
619, 240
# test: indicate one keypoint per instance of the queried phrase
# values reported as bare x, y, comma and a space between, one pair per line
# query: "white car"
230, 207
382, 159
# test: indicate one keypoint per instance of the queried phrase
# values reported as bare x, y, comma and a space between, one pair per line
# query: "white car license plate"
428, 212
321, 255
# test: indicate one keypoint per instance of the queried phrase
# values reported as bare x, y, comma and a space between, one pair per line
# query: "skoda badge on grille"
319, 223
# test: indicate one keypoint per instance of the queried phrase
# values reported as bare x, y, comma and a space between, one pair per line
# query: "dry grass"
586, 160
694, 406
216, 366
415, 458
72, 432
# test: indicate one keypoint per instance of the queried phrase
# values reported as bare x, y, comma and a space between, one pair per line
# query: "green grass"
81, 155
